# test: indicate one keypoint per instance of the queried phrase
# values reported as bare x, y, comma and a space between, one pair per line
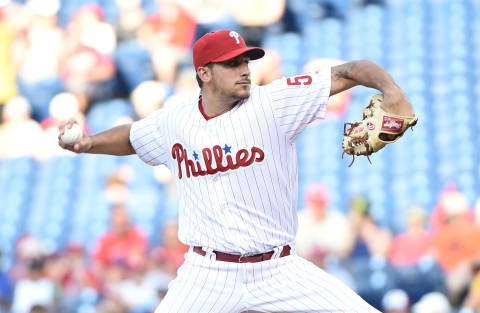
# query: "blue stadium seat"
134, 64
104, 115
39, 94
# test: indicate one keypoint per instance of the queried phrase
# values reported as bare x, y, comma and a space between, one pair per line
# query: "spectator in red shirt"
410, 246
122, 243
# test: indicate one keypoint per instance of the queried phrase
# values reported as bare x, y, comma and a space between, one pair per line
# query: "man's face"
120, 219
231, 78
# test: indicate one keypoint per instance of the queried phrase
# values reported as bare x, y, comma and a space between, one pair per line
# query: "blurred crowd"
109, 62
433, 266
122, 274
52, 72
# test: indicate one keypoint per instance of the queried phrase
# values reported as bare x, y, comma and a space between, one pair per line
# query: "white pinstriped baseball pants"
288, 284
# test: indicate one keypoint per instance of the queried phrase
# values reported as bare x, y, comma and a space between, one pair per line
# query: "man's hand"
84, 145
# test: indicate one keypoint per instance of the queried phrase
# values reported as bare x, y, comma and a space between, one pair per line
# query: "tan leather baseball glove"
377, 129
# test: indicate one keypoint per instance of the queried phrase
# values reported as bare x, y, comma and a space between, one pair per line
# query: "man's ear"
205, 74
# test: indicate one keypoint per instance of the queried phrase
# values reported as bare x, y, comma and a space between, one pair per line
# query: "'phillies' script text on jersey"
243, 158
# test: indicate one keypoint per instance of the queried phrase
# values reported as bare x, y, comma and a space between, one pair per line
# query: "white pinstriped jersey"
236, 174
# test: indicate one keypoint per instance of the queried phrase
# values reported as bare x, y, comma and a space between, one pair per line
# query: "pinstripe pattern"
288, 284
237, 180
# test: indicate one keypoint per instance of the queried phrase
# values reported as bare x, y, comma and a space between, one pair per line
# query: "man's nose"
245, 70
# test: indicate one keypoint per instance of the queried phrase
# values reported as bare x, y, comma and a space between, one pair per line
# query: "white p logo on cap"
235, 35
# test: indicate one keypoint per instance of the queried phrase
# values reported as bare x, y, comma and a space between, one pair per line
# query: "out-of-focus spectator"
369, 244
122, 243
167, 256
130, 18
185, 82
88, 67
34, 289
165, 60
81, 23
148, 97
477, 211
472, 300
38, 50
168, 35
20, 135
455, 242
174, 248
451, 203
112, 276
396, 301
5, 289
70, 272
369, 239
410, 246
7, 70
135, 291
44, 40
27, 249
267, 69
90, 73
332, 265
116, 190
257, 13
170, 26
160, 271
111, 306
116, 186
207, 12
185, 85
38, 309
63, 107
416, 270
317, 222
434, 302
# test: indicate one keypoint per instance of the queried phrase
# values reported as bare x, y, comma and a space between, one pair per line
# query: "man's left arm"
372, 75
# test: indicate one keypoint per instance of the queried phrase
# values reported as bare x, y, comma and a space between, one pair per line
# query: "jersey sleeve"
148, 138
299, 100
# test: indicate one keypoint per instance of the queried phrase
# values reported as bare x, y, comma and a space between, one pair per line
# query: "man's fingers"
61, 128
66, 124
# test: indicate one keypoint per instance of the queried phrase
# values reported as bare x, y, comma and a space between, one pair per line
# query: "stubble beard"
234, 93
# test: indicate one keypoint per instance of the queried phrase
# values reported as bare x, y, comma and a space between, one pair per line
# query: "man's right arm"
115, 141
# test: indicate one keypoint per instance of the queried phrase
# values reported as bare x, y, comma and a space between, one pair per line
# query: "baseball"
72, 135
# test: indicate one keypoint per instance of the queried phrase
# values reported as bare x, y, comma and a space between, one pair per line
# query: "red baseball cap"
220, 46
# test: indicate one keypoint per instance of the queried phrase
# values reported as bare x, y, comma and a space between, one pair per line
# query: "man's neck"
214, 105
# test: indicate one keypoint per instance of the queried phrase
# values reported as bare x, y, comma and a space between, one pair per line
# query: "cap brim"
254, 53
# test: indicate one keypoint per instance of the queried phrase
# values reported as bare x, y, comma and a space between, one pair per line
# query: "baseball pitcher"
231, 148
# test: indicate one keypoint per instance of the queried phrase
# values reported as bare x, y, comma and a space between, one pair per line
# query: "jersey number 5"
299, 80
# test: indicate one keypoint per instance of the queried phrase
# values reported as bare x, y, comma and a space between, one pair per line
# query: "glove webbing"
355, 141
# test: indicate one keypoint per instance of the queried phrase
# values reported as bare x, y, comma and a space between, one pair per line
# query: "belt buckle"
245, 255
